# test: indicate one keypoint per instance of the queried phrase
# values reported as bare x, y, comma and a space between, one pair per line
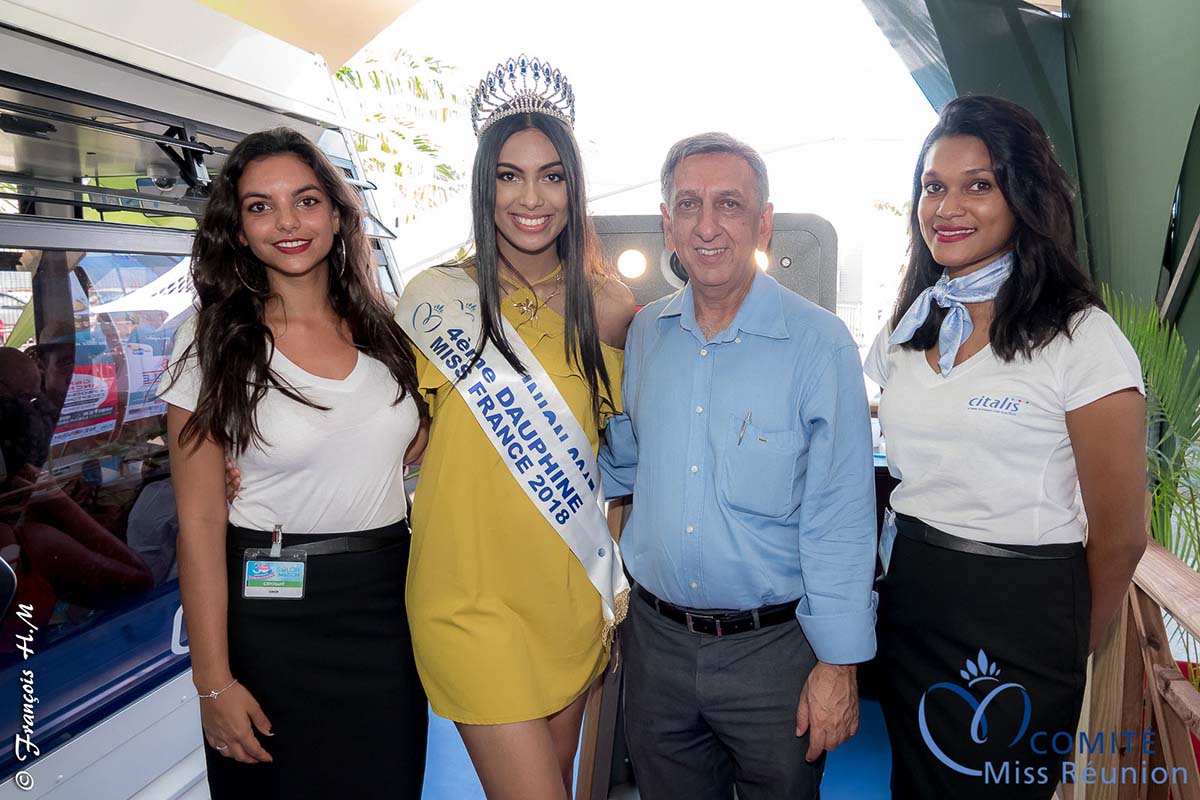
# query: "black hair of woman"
233, 344
1048, 286
578, 249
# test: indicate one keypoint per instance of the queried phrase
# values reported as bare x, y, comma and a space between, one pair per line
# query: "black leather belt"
915, 529
320, 544
723, 624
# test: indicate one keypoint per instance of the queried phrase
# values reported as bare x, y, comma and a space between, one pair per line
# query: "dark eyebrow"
731, 193
542, 168
933, 173
310, 187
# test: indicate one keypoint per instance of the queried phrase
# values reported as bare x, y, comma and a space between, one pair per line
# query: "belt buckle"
691, 626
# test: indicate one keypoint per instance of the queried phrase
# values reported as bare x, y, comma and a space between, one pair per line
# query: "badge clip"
277, 541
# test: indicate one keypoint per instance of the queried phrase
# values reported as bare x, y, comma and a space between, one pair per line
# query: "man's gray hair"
714, 142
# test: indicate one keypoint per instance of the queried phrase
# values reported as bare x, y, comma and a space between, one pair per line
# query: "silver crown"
522, 86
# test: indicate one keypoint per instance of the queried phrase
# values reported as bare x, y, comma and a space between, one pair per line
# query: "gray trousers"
705, 714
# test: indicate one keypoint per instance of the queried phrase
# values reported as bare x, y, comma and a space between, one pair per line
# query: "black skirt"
959, 632
335, 675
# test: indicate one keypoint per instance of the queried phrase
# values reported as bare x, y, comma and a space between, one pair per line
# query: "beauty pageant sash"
526, 420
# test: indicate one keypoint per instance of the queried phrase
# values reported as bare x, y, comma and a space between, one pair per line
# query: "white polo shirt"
319, 471
984, 453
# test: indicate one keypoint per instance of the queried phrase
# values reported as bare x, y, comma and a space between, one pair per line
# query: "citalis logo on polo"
1009, 406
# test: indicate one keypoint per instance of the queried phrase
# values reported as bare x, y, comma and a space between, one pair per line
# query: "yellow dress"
505, 624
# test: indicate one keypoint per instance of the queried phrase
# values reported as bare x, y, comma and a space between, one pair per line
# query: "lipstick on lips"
530, 223
293, 247
948, 234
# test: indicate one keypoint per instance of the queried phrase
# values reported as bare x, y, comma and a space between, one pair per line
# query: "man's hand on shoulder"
828, 709
614, 311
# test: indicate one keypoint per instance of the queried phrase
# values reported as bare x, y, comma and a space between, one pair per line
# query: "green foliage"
404, 103
1172, 378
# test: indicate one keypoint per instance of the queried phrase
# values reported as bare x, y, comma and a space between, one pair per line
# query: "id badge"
887, 538
274, 577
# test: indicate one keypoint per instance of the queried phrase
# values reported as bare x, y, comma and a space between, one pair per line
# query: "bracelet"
217, 693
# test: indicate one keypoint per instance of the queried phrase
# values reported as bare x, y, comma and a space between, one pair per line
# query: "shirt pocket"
759, 470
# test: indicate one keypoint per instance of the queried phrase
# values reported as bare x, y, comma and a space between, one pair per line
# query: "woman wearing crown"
515, 583
1006, 387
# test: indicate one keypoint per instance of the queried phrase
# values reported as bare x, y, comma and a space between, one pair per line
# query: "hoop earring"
342, 264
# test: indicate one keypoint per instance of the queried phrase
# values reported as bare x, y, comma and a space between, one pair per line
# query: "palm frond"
1172, 378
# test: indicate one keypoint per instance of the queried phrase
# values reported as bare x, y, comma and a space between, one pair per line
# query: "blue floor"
858, 770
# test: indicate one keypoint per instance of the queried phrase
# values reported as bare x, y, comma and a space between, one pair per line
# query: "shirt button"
738, 340
695, 585
699, 409
695, 468
691, 528
704, 352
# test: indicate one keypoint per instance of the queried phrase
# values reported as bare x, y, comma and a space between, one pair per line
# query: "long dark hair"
578, 249
1048, 285
232, 344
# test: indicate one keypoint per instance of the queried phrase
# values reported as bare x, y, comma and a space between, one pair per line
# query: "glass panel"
87, 514
374, 227
49, 161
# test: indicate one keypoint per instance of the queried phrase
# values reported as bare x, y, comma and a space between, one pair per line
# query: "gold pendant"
527, 307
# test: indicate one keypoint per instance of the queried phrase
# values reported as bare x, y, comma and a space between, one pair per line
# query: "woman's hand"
416, 448
229, 721
233, 479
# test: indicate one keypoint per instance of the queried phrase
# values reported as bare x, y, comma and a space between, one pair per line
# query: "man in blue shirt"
747, 447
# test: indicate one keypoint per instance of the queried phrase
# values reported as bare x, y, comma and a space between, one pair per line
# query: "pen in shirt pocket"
742, 430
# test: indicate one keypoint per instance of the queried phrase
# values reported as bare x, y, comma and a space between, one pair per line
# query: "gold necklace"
530, 306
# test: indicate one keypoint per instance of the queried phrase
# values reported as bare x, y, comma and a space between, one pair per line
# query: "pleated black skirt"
982, 660
334, 673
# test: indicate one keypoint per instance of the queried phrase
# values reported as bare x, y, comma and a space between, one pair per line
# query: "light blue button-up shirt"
749, 458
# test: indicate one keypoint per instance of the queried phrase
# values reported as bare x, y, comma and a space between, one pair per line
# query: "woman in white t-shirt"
294, 598
1008, 394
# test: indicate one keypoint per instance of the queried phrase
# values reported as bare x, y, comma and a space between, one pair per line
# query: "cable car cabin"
107, 147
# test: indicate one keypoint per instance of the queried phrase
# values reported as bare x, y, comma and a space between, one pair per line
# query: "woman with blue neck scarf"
1010, 396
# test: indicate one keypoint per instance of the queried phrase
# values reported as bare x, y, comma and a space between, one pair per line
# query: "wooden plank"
1181, 280
610, 704
1135, 714
1103, 709
599, 714
1173, 738
590, 739
1172, 584
1180, 695
1157, 791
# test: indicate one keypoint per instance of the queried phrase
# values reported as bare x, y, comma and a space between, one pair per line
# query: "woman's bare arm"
614, 311
1109, 440
198, 475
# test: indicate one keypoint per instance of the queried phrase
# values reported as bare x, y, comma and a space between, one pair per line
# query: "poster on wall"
144, 368
90, 407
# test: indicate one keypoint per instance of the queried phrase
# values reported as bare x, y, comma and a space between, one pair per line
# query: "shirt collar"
761, 312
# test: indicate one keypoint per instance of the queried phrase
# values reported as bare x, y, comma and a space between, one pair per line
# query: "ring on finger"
221, 747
